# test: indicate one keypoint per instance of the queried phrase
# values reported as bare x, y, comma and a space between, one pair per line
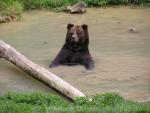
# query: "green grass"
47, 103
10, 7
16, 7
29, 4
52, 4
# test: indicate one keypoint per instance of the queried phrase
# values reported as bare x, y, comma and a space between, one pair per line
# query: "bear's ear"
85, 27
69, 26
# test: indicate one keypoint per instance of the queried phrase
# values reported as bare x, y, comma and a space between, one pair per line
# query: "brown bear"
75, 50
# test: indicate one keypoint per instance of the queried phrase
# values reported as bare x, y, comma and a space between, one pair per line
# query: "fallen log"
9, 53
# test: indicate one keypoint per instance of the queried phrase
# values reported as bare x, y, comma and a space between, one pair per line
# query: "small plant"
106, 99
10, 7
32, 4
96, 2
50, 4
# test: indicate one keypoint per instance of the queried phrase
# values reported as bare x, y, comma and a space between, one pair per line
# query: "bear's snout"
74, 37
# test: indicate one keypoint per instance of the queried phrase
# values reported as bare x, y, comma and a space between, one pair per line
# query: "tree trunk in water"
9, 53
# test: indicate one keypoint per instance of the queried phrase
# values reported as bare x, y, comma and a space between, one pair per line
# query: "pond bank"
122, 59
47, 103
14, 8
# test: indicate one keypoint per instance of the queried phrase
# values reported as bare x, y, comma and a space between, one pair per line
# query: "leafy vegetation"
15, 7
34, 4
18, 5
47, 103
10, 7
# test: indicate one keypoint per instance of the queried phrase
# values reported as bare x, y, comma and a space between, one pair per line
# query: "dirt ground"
122, 59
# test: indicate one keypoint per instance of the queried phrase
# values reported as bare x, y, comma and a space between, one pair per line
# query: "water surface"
122, 59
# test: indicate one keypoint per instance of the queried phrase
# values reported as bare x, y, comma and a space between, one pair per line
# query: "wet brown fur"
75, 50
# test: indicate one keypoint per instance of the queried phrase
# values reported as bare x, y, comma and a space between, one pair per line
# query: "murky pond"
122, 59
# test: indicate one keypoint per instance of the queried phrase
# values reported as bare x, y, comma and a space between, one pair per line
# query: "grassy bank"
46, 103
11, 7
50, 4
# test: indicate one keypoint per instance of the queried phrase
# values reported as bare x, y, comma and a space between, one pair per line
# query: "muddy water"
122, 59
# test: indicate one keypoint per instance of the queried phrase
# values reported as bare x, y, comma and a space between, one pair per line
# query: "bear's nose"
72, 38
74, 35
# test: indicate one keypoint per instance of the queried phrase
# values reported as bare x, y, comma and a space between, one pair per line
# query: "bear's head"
77, 34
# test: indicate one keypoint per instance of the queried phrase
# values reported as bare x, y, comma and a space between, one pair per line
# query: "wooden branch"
38, 72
